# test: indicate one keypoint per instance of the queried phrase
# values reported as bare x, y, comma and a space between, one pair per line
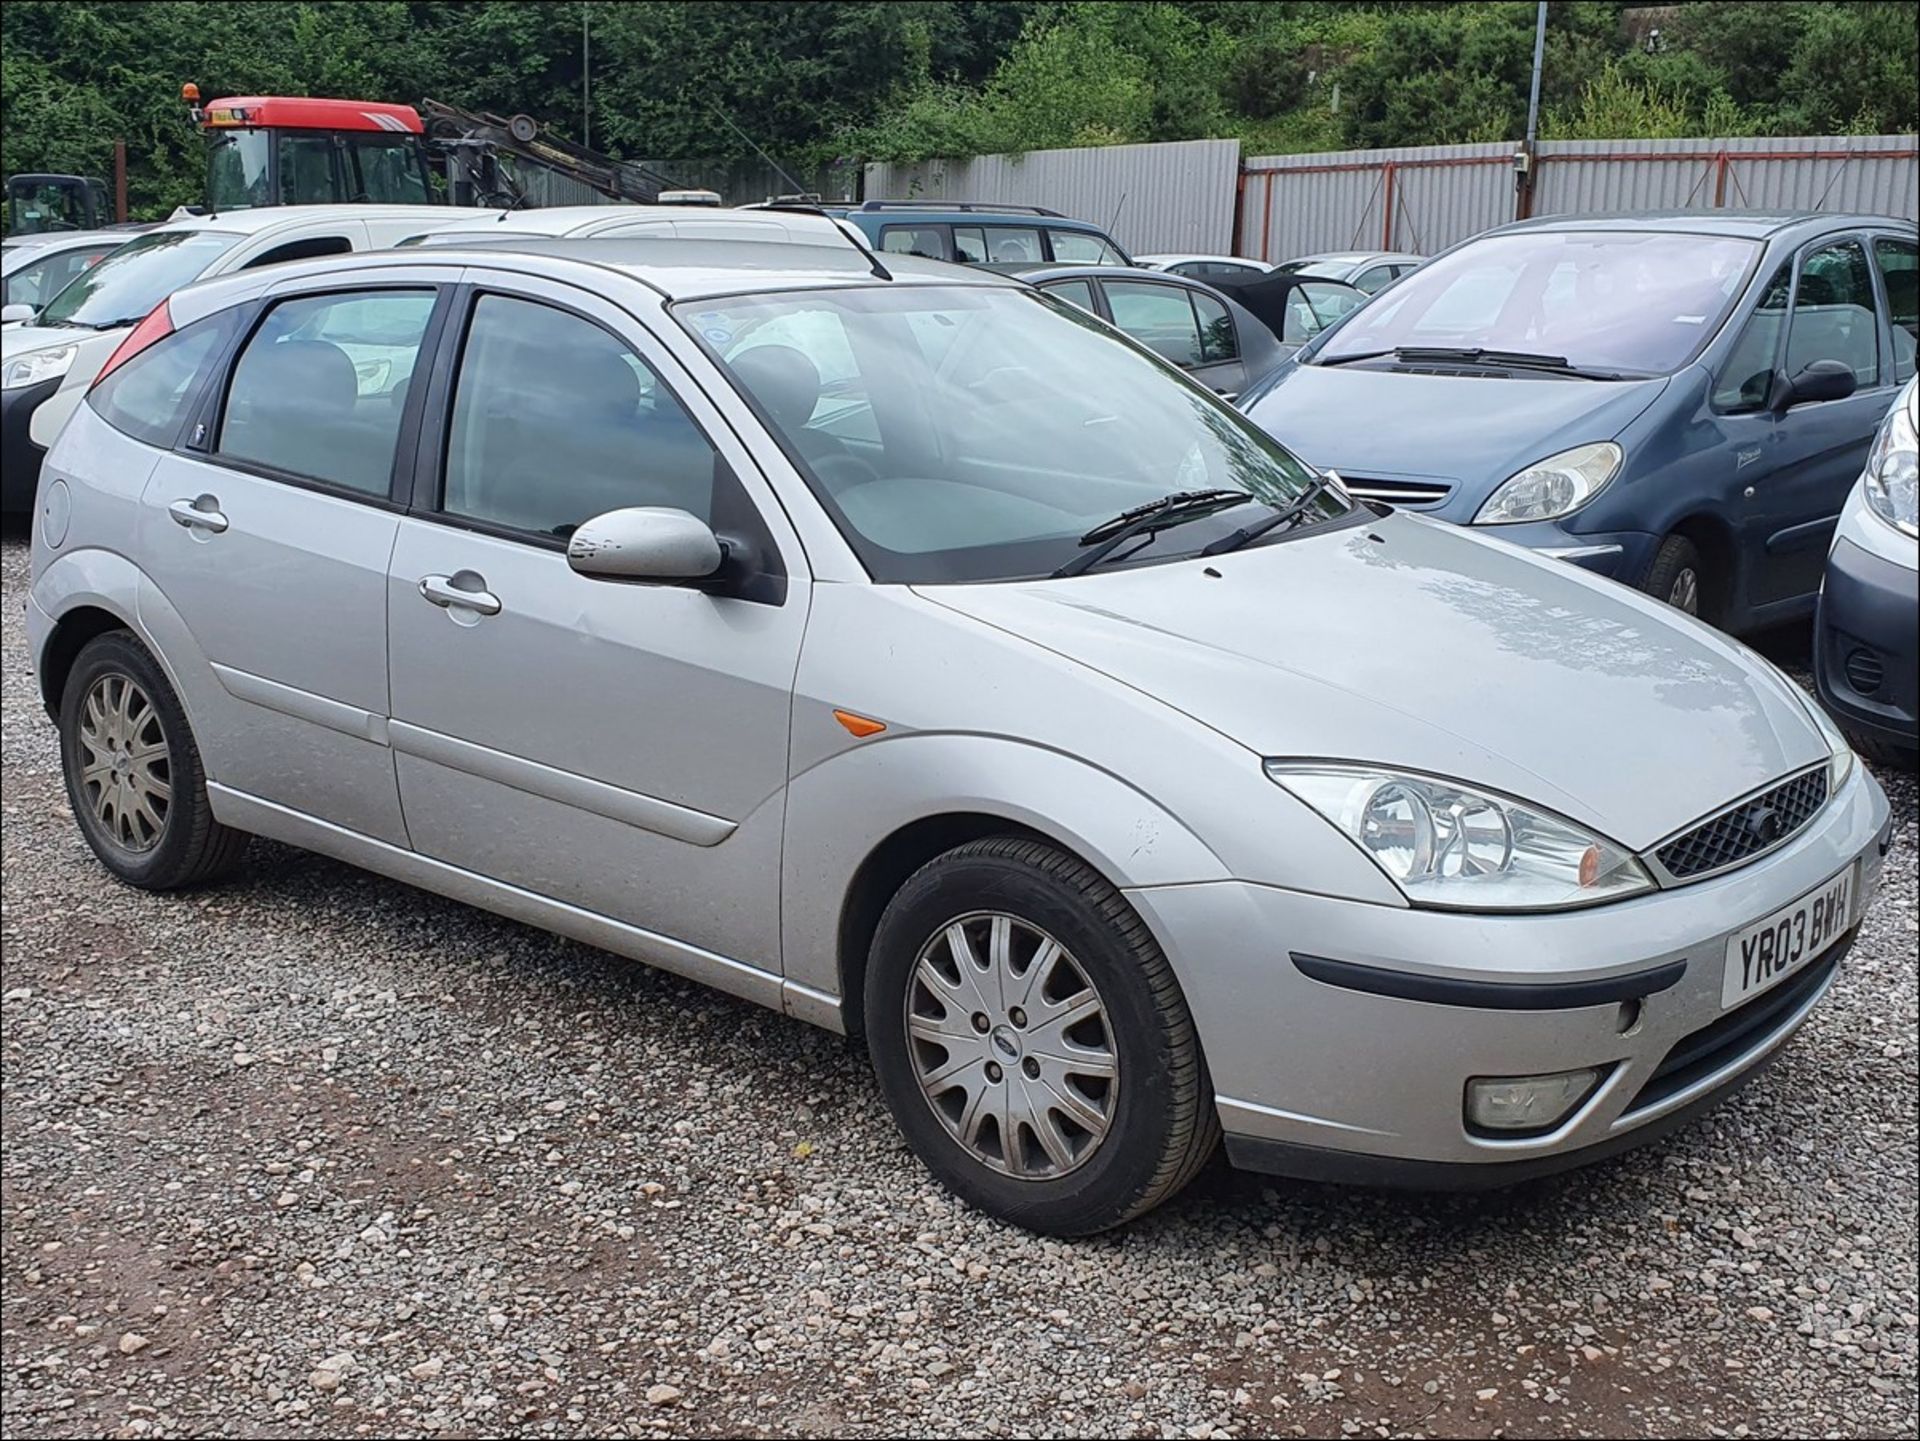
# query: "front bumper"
19, 457
1866, 643
1321, 1080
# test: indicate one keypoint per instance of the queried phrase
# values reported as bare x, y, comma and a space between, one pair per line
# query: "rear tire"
1070, 1153
133, 771
1678, 576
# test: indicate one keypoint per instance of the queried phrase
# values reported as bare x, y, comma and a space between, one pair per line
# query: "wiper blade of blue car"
1473, 355
1144, 520
1288, 514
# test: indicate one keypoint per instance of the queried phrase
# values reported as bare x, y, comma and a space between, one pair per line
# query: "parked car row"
967, 677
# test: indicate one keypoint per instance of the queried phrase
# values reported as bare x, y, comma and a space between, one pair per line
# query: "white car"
46, 366
1368, 270
625, 222
1204, 267
35, 268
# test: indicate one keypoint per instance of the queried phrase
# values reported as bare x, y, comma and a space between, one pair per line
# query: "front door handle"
200, 513
441, 590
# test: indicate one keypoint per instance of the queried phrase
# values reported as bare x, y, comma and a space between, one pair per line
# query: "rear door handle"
200, 513
441, 590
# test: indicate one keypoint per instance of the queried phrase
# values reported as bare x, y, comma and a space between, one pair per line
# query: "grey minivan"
1008, 699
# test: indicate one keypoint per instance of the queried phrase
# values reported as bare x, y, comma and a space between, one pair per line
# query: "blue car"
1681, 401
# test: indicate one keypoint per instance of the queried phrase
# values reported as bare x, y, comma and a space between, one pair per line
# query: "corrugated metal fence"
1425, 199
1178, 196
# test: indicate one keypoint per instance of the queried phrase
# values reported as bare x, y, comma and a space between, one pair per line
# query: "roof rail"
967, 205
796, 206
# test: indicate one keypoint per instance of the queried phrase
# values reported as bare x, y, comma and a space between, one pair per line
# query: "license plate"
1769, 951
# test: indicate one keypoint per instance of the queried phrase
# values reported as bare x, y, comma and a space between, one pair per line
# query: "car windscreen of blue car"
1602, 301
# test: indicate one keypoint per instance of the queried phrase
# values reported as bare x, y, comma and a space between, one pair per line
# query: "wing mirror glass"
646, 543
1818, 380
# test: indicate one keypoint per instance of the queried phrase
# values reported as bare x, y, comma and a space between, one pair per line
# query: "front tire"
133, 772
1678, 576
1032, 1041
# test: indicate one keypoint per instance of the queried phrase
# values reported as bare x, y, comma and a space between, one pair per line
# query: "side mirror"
646, 543
19, 310
1819, 380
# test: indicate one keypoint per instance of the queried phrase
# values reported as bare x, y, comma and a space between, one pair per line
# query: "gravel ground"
316, 1154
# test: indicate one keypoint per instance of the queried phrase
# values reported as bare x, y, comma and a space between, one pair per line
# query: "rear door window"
1160, 317
149, 396
1003, 244
927, 240
318, 390
1217, 340
1835, 315
1898, 268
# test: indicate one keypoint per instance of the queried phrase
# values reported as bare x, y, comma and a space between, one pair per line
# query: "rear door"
1185, 326
268, 535
1835, 314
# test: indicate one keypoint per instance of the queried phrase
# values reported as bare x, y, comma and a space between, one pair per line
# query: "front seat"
788, 384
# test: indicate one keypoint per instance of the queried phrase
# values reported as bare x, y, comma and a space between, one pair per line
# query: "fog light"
1526, 1103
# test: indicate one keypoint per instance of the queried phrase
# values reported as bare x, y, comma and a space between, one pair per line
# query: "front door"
1818, 449
618, 747
267, 536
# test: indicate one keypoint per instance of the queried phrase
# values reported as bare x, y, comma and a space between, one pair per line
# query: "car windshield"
974, 433
1604, 299
1314, 305
139, 275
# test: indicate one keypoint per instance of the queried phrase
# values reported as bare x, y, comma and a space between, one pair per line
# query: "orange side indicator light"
858, 726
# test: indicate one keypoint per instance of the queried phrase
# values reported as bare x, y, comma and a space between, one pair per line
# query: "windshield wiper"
1474, 355
1144, 520
1290, 513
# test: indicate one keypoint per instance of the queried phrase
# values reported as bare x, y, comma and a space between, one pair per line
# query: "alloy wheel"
1684, 594
1011, 1046
126, 776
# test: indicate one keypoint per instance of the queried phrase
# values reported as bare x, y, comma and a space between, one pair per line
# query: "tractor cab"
37, 204
291, 150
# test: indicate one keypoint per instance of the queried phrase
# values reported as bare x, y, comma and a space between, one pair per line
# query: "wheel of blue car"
1032, 1041
1677, 576
133, 771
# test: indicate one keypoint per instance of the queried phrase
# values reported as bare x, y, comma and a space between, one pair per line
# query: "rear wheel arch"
68, 638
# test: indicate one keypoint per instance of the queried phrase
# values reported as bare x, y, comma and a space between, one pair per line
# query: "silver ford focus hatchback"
902, 649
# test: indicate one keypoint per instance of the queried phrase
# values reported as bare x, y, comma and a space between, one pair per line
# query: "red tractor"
290, 150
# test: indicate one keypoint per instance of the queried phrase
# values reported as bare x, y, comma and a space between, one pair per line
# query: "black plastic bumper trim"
1490, 995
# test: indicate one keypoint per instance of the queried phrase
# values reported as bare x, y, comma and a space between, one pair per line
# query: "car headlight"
1452, 846
36, 366
1556, 486
1892, 477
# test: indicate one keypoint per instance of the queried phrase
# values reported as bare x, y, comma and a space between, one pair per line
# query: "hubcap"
1685, 593
125, 775
1010, 1044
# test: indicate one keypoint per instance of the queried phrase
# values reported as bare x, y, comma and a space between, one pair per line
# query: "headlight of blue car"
1551, 488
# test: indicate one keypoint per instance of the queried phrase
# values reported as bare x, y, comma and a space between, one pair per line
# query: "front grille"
1747, 830
1865, 672
1743, 1029
1396, 492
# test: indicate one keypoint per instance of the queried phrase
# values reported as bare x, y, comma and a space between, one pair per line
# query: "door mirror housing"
650, 544
19, 310
1818, 380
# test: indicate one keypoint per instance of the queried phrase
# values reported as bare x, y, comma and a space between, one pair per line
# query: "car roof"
1743, 224
566, 219
1038, 270
266, 217
959, 212
44, 238
692, 269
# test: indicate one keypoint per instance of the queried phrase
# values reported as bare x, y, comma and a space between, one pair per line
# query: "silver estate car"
905, 650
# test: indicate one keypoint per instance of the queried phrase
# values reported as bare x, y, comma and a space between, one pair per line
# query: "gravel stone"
489, 1181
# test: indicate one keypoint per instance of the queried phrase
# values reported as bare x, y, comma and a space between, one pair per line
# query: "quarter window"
1897, 272
1081, 248
1160, 317
147, 396
1834, 313
923, 240
1746, 380
556, 421
318, 390
1074, 292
